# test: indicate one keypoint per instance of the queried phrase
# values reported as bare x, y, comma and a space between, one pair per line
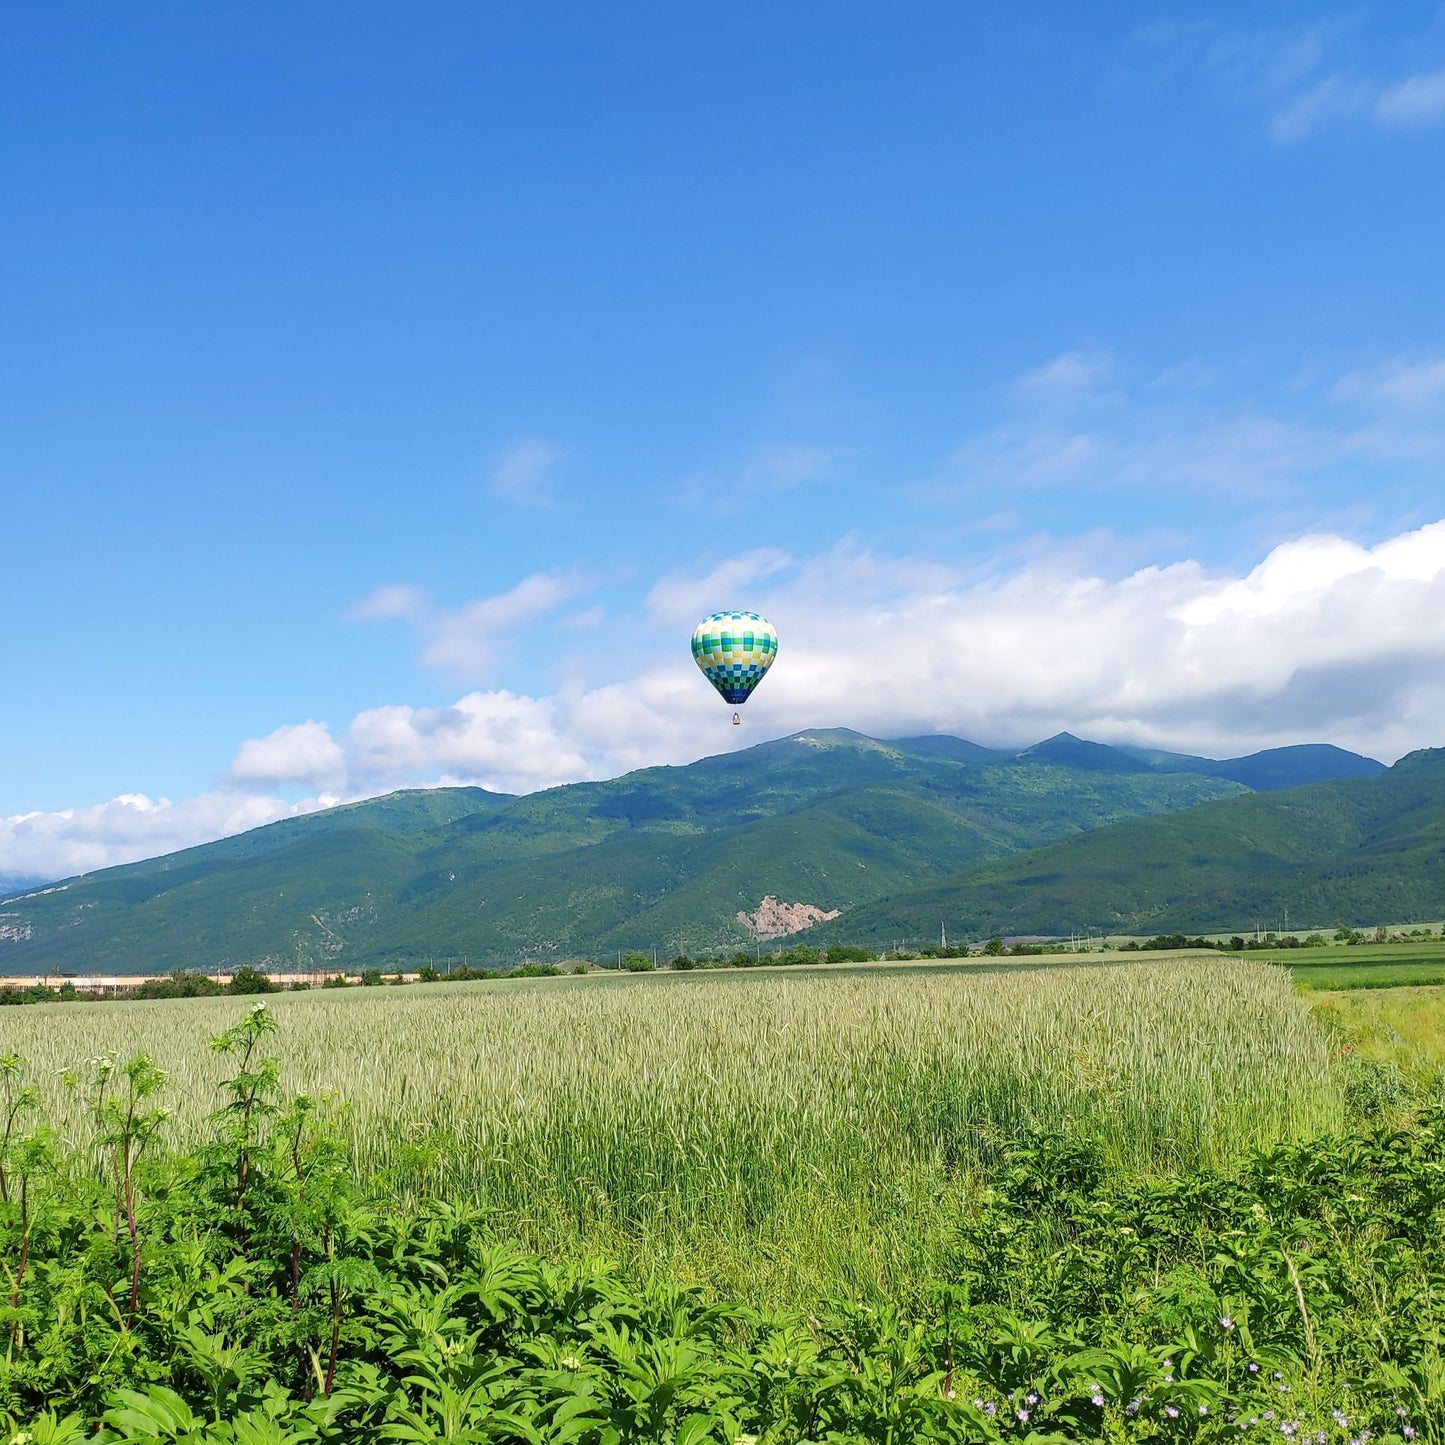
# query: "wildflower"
1287, 1429
1023, 1415
1225, 1322
990, 1408
1132, 1408
1031, 1398
1279, 1374
1097, 1398
1409, 1432
1172, 1411
1269, 1414
978, 1404
1253, 1368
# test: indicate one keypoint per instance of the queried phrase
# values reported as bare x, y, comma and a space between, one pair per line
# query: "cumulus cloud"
509, 743
297, 753
1324, 639
134, 826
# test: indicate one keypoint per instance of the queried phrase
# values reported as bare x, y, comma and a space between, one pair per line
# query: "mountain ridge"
671, 855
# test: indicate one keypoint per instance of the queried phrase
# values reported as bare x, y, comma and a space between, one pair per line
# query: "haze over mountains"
897, 836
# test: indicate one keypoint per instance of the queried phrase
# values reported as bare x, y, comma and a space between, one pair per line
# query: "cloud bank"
1323, 640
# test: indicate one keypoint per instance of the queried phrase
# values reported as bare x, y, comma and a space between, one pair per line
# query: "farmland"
676, 1119
946, 1202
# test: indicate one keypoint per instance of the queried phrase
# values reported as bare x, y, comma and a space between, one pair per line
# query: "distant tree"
1236, 944
994, 947
251, 980
683, 962
800, 953
638, 962
851, 953
178, 984
427, 974
371, 978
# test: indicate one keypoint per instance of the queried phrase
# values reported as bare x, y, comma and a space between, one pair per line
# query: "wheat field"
777, 1134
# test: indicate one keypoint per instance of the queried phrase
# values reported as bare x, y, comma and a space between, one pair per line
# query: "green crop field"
673, 1121
1383, 965
1175, 1198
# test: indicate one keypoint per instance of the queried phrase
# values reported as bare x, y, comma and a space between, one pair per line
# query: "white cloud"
1063, 430
1303, 78
772, 467
503, 741
408, 604
523, 473
468, 641
1414, 103
1411, 384
1073, 374
1335, 97
298, 753
134, 826
1323, 640
681, 596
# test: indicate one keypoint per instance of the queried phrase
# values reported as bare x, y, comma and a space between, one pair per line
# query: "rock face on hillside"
774, 919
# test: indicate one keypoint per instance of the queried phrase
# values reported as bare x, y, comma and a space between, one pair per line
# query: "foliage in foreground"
250, 1292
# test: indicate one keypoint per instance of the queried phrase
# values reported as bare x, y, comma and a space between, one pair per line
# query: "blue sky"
384, 390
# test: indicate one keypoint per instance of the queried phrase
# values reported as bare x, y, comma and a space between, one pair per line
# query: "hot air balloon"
734, 650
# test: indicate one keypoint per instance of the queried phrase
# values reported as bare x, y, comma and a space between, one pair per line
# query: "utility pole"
942, 936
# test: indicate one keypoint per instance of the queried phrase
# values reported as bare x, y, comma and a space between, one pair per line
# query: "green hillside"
664, 857
1348, 851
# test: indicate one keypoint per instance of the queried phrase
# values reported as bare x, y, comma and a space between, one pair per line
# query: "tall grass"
778, 1136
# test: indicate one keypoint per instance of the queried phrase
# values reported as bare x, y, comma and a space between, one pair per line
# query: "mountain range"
896, 836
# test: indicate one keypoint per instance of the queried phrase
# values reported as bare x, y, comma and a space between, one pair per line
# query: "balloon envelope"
734, 650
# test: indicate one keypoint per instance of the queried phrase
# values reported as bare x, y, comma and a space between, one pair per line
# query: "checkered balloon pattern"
734, 650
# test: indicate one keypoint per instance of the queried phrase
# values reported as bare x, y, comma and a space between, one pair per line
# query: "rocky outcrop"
775, 919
